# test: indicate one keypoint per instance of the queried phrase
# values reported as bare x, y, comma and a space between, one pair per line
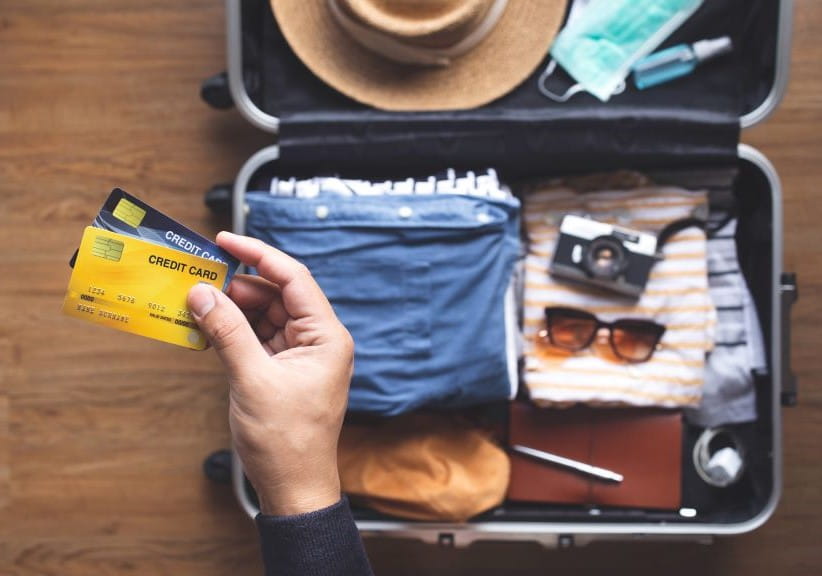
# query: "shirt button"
321, 212
405, 212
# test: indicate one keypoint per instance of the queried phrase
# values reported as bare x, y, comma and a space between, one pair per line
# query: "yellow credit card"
138, 286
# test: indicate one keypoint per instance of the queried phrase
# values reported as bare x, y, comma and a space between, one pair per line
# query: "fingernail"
201, 300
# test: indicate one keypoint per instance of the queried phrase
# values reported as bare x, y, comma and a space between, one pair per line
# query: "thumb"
226, 328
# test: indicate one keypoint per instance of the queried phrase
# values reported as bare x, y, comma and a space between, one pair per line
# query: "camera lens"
605, 258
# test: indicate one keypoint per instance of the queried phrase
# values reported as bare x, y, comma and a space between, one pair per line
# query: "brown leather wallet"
644, 445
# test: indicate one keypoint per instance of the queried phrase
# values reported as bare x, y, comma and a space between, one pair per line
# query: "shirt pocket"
383, 302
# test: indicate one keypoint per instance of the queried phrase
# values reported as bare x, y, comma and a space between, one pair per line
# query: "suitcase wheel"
216, 93
218, 198
217, 467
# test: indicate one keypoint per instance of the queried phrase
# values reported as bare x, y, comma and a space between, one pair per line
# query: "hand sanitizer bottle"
677, 61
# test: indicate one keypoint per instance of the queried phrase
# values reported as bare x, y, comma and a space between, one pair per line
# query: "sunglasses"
631, 339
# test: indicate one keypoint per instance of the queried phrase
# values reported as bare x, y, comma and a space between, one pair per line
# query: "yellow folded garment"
423, 467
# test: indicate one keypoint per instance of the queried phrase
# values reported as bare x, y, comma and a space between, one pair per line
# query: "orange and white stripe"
677, 296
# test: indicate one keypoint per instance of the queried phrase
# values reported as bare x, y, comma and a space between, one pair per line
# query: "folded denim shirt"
422, 282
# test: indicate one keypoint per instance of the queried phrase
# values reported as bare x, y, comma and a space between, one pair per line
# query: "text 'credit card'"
138, 286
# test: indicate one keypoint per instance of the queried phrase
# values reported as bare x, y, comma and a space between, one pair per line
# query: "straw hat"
421, 54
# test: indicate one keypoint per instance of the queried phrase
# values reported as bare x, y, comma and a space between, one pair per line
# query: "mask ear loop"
573, 90
547, 73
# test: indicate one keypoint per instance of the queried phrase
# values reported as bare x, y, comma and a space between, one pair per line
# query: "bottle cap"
707, 49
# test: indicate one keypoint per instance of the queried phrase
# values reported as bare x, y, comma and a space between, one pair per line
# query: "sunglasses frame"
623, 323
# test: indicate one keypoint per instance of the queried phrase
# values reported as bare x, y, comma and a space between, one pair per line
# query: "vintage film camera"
599, 254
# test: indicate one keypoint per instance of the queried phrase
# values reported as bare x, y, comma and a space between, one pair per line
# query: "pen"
595, 471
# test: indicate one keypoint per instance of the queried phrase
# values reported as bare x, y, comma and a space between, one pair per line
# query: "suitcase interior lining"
743, 82
694, 117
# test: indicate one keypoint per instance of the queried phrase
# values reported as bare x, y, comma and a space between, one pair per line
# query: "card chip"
129, 213
107, 248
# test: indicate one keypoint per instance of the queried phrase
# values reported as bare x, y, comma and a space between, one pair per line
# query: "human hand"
289, 362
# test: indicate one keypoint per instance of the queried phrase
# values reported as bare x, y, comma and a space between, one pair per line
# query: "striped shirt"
676, 296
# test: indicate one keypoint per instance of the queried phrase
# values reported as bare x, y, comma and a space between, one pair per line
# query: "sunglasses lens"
635, 341
571, 331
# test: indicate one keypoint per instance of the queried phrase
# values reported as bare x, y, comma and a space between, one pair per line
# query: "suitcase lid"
692, 119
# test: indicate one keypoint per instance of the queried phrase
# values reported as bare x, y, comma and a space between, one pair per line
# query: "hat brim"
503, 60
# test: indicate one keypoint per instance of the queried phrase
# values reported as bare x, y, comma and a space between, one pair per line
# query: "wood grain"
102, 435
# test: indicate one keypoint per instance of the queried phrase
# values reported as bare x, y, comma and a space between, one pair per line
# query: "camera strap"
674, 227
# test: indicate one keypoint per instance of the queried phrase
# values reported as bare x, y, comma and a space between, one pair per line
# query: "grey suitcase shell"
776, 297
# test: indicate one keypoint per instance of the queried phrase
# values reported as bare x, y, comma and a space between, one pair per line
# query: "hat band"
391, 48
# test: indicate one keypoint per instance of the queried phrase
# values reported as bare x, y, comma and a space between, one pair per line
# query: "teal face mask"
598, 47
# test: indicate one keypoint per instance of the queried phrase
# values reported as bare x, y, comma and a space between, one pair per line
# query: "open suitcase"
691, 122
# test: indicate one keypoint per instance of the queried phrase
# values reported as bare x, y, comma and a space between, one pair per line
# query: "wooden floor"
102, 435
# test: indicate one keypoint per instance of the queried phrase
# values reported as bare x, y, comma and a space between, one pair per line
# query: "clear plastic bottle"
677, 61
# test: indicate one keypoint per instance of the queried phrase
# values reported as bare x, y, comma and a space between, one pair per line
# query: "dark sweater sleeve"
321, 543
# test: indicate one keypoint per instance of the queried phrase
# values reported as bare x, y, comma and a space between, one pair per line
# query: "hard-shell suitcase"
669, 129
